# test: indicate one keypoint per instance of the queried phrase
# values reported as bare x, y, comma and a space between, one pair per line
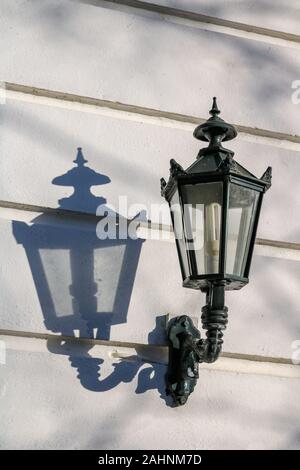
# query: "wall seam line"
18, 89
202, 18
133, 345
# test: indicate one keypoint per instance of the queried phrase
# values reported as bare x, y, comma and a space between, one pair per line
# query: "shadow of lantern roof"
81, 178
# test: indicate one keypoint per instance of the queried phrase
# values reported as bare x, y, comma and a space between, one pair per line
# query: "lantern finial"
214, 110
215, 127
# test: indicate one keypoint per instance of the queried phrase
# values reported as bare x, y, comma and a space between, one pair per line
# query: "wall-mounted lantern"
215, 206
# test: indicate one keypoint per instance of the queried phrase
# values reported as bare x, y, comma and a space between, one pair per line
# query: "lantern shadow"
84, 283
150, 377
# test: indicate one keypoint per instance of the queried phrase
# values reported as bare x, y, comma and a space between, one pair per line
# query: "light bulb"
212, 236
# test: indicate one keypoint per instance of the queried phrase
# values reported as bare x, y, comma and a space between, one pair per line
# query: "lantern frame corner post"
214, 164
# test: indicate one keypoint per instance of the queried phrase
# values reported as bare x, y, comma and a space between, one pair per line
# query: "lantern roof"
217, 161
214, 159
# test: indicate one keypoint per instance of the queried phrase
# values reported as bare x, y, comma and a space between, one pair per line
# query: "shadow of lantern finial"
80, 160
81, 178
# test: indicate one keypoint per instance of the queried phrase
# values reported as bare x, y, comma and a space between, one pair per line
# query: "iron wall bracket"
187, 349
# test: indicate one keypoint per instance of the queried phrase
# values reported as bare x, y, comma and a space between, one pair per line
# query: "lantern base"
187, 349
203, 282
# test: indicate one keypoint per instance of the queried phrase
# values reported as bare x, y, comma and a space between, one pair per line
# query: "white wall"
127, 82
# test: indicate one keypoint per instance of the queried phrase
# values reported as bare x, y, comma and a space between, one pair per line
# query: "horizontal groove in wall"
138, 113
48, 210
92, 218
124, 344
187, 16
128, 352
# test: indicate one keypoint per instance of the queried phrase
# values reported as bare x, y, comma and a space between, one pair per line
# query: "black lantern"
215, 205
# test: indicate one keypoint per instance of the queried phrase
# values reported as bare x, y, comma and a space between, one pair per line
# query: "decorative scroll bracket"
187, 349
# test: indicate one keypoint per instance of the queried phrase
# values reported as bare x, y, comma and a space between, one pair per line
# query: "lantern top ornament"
215, 126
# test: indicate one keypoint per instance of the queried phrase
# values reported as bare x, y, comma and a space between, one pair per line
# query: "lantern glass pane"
202, 223
176, 215
241, 216
58, 278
